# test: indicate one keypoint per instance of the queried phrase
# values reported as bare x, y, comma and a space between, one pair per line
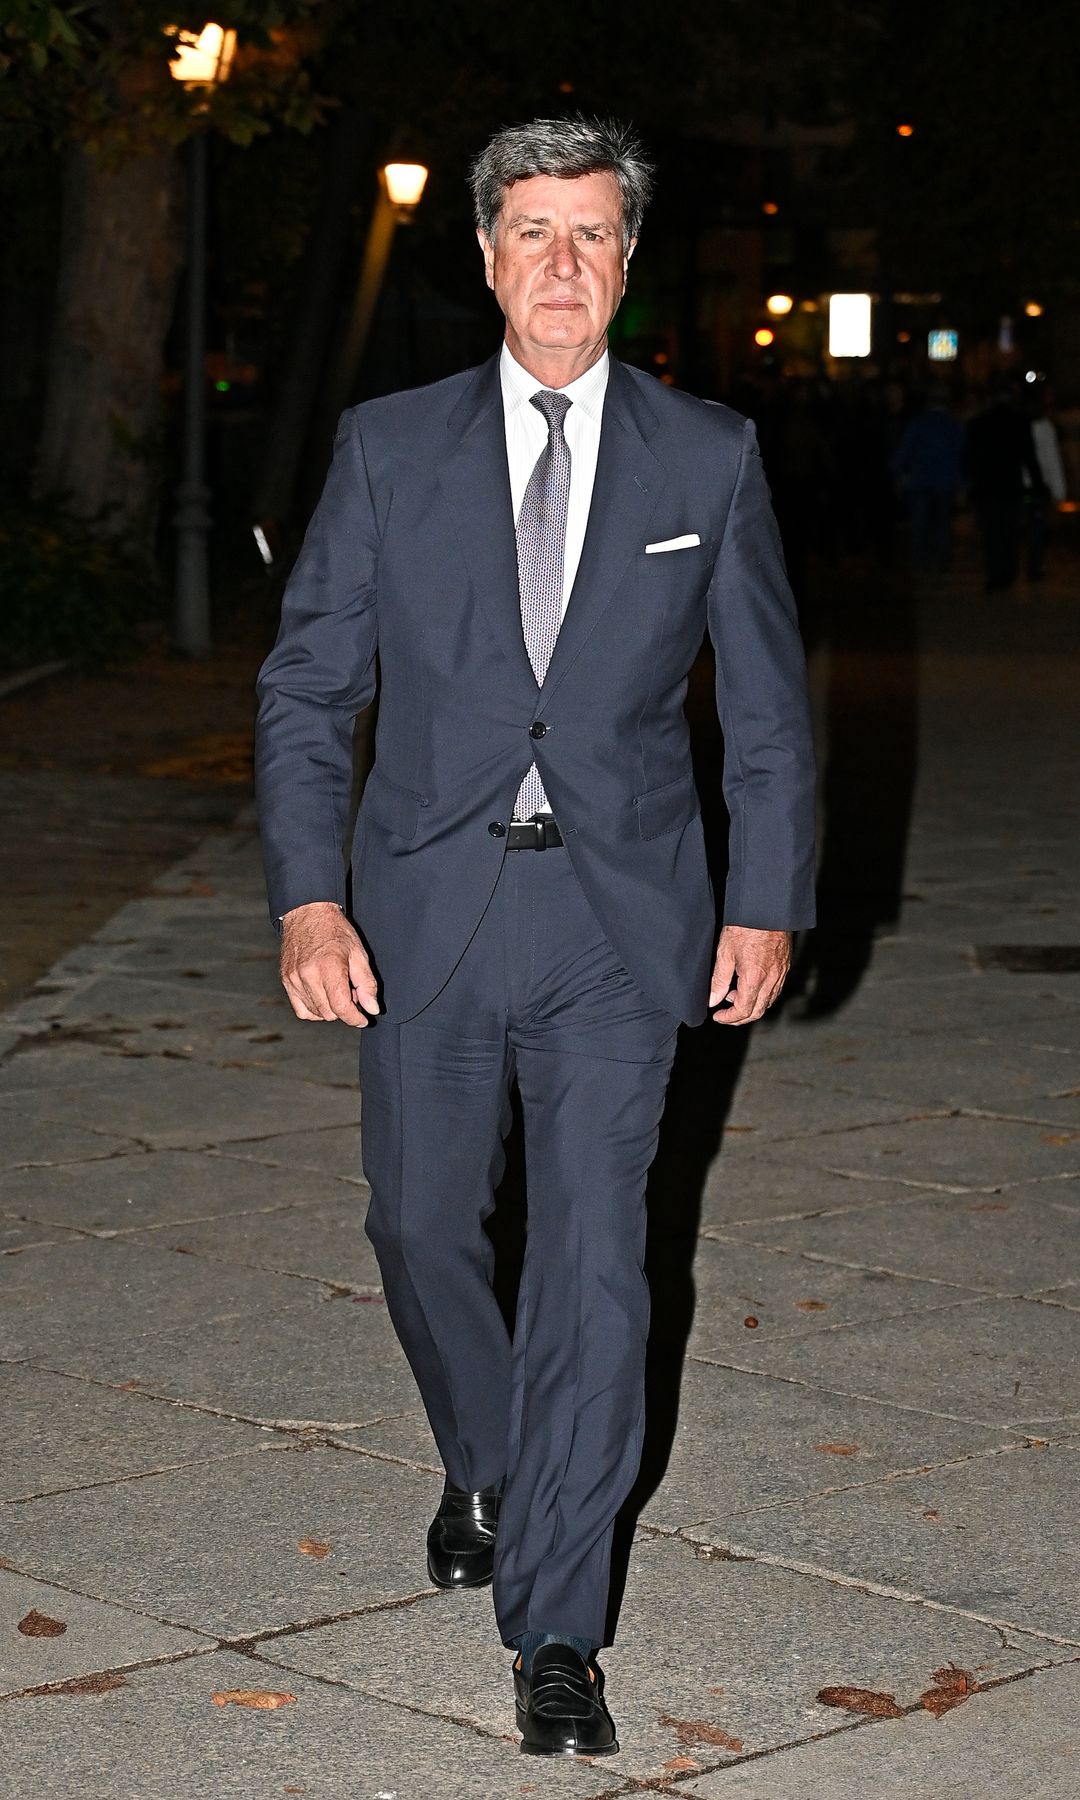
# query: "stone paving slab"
956, 1535
173, 1104
323, 1243
43, 1143
745, 1185
97, 1636
767, 1638
986, 1074
214, 1547
156, 1188
1013, 1363
65, 1433
332, 1363
1018, 1242
53, 1297
748, 1441
776, 1110
963, 1151
326, 1150
161, 1735
790, 1296
1020, 1739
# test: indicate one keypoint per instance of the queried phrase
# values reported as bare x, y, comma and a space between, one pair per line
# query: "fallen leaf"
714, 1690
259, 1699
952, 1686
838, 1449
126, 1387
812, 1305
679, 1764
861, 1700
750, 1322
933, 1515
1066, 1137
294, 1790
313, 1547
37, 1624
183, 1250
1038, 1443
987, 1206
700, 1731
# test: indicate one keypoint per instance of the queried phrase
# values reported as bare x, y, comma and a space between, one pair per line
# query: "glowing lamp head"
770, 207
202, 61
1034, 309
763, 337
405, 182
779, 305
905, 131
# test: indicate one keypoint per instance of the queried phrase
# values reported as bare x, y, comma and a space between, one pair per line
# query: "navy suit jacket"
411, 559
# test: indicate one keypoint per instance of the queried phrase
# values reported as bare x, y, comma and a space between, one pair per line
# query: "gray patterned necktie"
541, 545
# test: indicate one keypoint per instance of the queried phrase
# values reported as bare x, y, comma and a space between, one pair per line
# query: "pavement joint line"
843, 1262
245, 1643
627, 1785
862, 1584
112, 1481
267, 1162
791, 1501
937, 1187
384, 1456
817, 1387
831, 1131
129, 1668
291, 1426
123, 1606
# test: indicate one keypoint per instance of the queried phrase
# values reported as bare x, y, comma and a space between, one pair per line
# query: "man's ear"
488, 249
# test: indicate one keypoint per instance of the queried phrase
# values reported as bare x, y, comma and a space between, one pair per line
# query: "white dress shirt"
527, 435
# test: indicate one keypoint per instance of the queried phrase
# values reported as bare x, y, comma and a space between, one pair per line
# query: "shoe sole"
611, 1749
451, 1587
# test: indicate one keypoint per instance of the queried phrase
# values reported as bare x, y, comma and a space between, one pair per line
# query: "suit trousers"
539, 996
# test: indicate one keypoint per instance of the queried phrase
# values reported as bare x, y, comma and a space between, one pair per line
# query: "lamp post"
200, 63
400, 188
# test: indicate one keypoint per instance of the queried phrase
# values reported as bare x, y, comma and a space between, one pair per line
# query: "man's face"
557, 264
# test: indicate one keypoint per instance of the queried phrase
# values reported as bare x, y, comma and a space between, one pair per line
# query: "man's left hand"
750, 969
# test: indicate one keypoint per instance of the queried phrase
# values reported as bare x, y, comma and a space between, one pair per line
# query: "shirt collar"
587, 392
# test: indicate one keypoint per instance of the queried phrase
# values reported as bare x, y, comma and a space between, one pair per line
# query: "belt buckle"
541, 833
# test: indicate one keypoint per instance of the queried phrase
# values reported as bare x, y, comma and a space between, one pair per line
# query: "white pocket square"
680, 543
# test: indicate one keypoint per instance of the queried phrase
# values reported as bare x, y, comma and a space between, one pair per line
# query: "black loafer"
461, 1538
560, 1706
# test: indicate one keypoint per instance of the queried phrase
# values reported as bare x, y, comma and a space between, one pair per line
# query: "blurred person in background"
999, 452
928, 466
1037, 503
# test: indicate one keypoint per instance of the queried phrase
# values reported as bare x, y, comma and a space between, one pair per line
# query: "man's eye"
592, 237
533, 232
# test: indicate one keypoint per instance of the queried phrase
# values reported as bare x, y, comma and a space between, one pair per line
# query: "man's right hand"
324, 966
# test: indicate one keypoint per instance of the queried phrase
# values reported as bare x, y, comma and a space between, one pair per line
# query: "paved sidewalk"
215, 1474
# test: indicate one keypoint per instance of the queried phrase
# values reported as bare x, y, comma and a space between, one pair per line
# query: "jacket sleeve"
761, 697
318, 676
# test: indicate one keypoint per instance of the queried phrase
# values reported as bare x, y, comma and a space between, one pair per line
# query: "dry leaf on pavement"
952, 1686
750, 1322
861, 1700
700, 1731
812, 1305
313, 1547
838, 1449
678, 1765
259, 1699
37, 1624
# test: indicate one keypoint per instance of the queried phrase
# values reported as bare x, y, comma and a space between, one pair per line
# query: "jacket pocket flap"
666, 808
395, 807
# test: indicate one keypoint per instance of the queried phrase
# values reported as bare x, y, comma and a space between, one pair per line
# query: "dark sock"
531, 1641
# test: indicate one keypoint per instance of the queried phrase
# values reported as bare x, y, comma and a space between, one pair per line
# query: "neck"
555, 366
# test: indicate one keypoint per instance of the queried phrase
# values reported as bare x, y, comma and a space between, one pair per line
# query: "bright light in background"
849, 324
770, 207
1033, 309
779, 305
405, 182
1031, 375
942, 346
905, 131
764, 337
205, 60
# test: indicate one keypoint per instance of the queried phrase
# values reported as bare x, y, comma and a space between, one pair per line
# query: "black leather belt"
538, 833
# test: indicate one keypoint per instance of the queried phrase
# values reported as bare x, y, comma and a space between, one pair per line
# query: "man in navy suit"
533, 551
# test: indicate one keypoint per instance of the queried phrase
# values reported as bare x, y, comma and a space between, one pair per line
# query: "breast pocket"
390, 805
688, 563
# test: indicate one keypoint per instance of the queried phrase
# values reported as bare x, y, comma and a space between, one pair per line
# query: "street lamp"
779, 305
199, 63
400, 188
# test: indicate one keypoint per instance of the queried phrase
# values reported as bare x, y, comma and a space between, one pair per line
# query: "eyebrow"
579, 225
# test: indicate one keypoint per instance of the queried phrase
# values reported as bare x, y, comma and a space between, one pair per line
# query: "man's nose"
563, 261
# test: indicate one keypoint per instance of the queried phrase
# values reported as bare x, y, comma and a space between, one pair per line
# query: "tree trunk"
119, 257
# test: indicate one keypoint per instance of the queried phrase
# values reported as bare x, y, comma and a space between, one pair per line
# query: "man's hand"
750, 969
324, 967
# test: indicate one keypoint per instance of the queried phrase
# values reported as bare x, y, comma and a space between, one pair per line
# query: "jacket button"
538, 729
496, 829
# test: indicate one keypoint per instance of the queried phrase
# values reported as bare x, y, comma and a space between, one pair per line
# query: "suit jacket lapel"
475, 481
628, 483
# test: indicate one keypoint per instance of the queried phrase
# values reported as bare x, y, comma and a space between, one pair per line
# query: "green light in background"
223, 386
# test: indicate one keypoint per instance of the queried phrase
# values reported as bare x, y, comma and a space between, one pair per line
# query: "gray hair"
566, 147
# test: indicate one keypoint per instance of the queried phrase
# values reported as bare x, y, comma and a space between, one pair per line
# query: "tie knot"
553, 406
